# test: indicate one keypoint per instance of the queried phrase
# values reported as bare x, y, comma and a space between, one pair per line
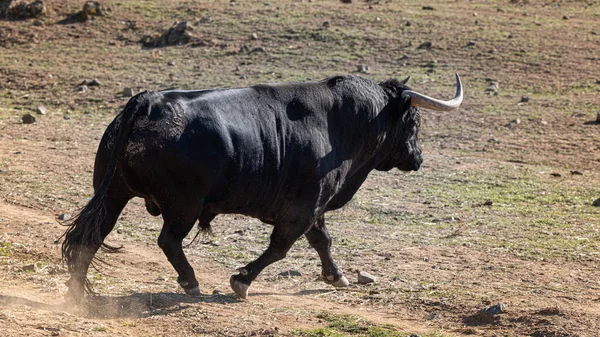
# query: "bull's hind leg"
320, 240
82, 241
282, 239
176, 227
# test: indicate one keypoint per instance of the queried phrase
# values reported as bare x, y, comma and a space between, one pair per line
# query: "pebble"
28, 119
64, 217
471, 44
128, 92
596, 202
494, 309
425, 45
365, 278
598, 117
290, 273
254, 36
361, 68
524, 99
94, 83
41, 110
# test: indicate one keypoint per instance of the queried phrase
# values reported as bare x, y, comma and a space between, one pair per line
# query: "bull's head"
407, 152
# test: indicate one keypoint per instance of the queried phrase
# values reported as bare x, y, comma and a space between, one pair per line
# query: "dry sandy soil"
501, 212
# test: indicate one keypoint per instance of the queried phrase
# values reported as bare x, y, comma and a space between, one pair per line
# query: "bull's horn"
427, 102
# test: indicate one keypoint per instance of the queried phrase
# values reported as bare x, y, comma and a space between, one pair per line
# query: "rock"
258, 50
524, 99
28, 119
596, 202
471, 44
128, 92
178, 34
361, 68
488, 203
554, 174
38, 23
576, 172
494, 309
492, 88
254, 36
428, 8
598, 117
290, 273
326, 24
217, 292
425, 45
346, 1
64, 217
29, 268
66, 117
23, 10
206, 19
94, 83
90, 10
171, 63
365, 278
41, 110
82, 88
565, 17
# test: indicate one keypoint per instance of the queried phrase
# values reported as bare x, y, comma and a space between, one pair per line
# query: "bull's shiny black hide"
282, 153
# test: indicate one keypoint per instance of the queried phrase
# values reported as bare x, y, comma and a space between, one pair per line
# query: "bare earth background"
501, 212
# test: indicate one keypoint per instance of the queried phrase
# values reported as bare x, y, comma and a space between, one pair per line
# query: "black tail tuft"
84, 237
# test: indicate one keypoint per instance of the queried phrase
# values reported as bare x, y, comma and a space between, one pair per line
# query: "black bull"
282, 153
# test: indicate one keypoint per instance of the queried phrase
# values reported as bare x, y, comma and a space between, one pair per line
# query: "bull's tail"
84, 235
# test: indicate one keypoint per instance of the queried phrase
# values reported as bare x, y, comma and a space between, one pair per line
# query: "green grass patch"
347, 325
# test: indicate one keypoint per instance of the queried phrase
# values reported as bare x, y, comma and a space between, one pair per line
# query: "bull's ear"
404, 81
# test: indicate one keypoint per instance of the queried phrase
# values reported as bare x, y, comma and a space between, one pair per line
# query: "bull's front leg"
282, 239
320, 240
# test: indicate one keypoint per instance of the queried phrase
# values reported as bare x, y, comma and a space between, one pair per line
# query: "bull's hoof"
341, 283
194, 292
238, 287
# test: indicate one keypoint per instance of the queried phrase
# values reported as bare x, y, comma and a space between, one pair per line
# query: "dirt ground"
501, 213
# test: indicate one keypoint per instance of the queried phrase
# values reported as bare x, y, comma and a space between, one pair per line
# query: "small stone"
361, 68
171, 63
64, 217
217, 292
82, 88
38, 23
596, 202
524, 99
554, 174
492, 88
29, 268
565, 17
206, 19
425, 45
128, 92
41, 110
428, 8
66, 117
598, 117
471, 44
346, 1
543, 122
488, 203
254, 36
365, 278
494, 309
408, 24
576, 172
94, 83
258, 50
28, 119
290, 273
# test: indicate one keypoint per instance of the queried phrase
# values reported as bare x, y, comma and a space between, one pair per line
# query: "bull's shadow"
137, 305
